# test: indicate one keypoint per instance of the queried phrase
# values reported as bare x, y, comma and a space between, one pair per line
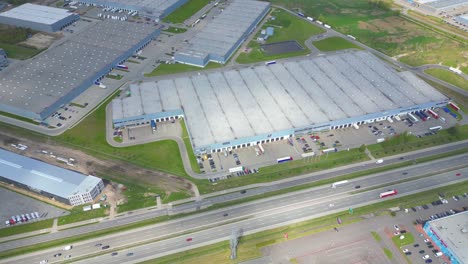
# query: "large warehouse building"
154, 9
38, 87
66, 186
218, 40
240, 108
37, 17
441, 5
450, 234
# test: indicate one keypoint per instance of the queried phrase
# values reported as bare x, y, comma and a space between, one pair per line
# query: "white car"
405, 250
397, 233
68, 247
43, 261
425, 257
426, 240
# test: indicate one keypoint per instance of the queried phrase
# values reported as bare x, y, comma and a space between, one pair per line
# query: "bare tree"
234, 242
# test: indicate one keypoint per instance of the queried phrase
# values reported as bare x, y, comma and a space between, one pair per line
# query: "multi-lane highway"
262, 213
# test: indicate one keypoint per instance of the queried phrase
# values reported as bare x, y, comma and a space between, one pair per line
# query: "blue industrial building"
150, 9
222, 36
244, 107
37, 88
63, 185
450, 234
37, 17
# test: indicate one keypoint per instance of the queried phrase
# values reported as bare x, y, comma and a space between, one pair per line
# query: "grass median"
186, 11
334, 43
449, 77
165, 69
26, 227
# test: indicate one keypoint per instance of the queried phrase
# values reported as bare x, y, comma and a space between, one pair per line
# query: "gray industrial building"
154, 9
450, 234
441, 5
37, 17
463, 19
221, 37
36, 88
63, 185
251, 105
3, 59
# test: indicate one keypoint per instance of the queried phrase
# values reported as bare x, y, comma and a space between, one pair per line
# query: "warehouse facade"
37, 17
221, 37
63, 185
240, 108
450, 234
150, 9
36, 88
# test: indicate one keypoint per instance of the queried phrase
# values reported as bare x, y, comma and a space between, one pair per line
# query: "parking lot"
15, 204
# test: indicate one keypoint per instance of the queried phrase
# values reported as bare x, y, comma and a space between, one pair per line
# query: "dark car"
243, 191
422, 251
435, 251
357, 186
105, 247
129, 254
188, 239
225, 214
416, 245
425, 206
114, 254
414, 209
430, 246
98, 245
58, 255
407, 253
428, 260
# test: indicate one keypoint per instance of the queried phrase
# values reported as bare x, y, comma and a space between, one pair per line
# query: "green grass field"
186, 11
287, 27
175, 30
25, 228
77, 214
164, 69
388, 253
404, 142
407, 240
15, 51
376, 236
334, 43
412, 42
449, 77
188, 145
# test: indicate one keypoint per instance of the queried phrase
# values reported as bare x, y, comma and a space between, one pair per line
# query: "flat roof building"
218, 40
36, 88
66, 186
251, 105
154, 9
37, 17
450, 234
441, 5
463, 19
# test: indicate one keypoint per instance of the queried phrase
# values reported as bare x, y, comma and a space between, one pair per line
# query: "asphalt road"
251, 218
131, 218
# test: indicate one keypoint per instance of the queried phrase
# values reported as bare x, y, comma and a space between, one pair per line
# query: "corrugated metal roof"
37, 13
42, 176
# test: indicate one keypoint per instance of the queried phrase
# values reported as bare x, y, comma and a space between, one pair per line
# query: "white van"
379, 161
438, 254
68, 247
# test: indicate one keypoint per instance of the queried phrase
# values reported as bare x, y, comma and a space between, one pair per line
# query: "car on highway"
129, 254
44, 261
225, 214
57, 255
458, 174
68, 256
357, 186
69, 247
243, 191
188, 239
98, 245
105, 247
114, 253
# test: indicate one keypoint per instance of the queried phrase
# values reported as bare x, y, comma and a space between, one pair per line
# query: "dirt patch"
367, 26
40, 40
403, 55
385, 25
90, 165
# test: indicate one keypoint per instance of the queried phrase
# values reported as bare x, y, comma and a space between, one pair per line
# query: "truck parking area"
253, 158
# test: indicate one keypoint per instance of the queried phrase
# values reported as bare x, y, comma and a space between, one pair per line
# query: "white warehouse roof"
37, 13
45, 177
225, 105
